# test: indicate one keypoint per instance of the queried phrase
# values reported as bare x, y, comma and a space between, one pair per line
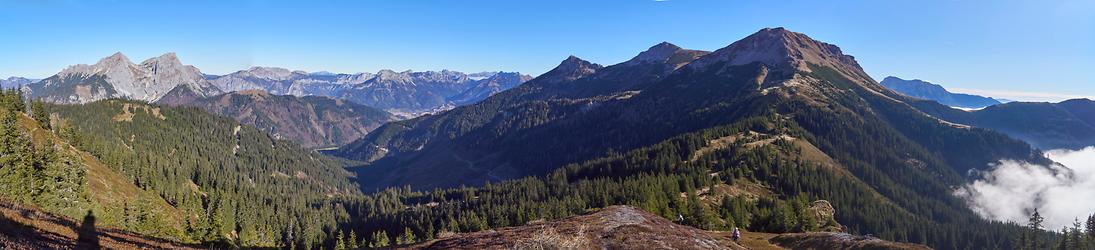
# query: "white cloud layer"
1012, 190
1023, 96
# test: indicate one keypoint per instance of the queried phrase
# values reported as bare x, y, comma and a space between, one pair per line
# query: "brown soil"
28, 228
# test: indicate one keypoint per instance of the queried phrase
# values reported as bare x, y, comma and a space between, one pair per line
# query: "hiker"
736, 235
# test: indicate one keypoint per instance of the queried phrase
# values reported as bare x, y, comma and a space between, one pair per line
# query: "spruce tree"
1090, 229
380, 239
1035, 227
340, 243
1023, 241
1076, 236
407, 237
38, 112
353, 243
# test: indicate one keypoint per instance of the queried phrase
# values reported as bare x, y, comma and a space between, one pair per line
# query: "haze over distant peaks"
407, 92
15, 81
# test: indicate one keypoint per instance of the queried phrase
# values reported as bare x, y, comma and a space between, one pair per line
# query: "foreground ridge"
627, 227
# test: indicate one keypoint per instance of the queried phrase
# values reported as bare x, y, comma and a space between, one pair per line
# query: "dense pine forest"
231, 183
663, 180
34, 169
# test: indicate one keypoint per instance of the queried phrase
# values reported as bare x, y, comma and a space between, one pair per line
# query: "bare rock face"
826, 219
791, 56
116, 77
615, 227
781, 48
837, 241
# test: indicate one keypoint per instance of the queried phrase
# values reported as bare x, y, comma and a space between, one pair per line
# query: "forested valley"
297, 199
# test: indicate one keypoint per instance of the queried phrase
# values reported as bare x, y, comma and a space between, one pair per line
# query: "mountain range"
929, 91
1047, 126
580, 110
1068, 124
772, 133
14, 82
317, 110
776, 109
116, 77
406, 93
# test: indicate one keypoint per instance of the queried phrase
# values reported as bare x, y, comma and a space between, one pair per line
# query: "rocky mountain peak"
270, 73
115, 64
573, 60
570, 69
168, 57
781, 48
505, 77
666, 53
168, 60
115, 59
320, 73
482, 75
148, 81
657, 53
788, 52
389, 75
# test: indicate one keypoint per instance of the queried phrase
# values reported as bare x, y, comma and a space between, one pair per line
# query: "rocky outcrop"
826, 216
837, 241
615, 227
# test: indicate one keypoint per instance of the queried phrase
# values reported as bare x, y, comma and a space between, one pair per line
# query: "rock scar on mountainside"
129, 109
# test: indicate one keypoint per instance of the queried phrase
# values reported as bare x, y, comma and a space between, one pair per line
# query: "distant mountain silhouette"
1069, 124
926, 90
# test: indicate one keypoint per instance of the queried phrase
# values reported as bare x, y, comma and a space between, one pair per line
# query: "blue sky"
1043, 50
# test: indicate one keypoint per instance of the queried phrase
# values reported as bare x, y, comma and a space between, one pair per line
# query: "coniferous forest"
776, 140
309, 202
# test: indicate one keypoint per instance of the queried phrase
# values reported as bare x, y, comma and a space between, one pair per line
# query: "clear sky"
1044, 50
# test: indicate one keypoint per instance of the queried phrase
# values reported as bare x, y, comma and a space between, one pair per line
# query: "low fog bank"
1012, 190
